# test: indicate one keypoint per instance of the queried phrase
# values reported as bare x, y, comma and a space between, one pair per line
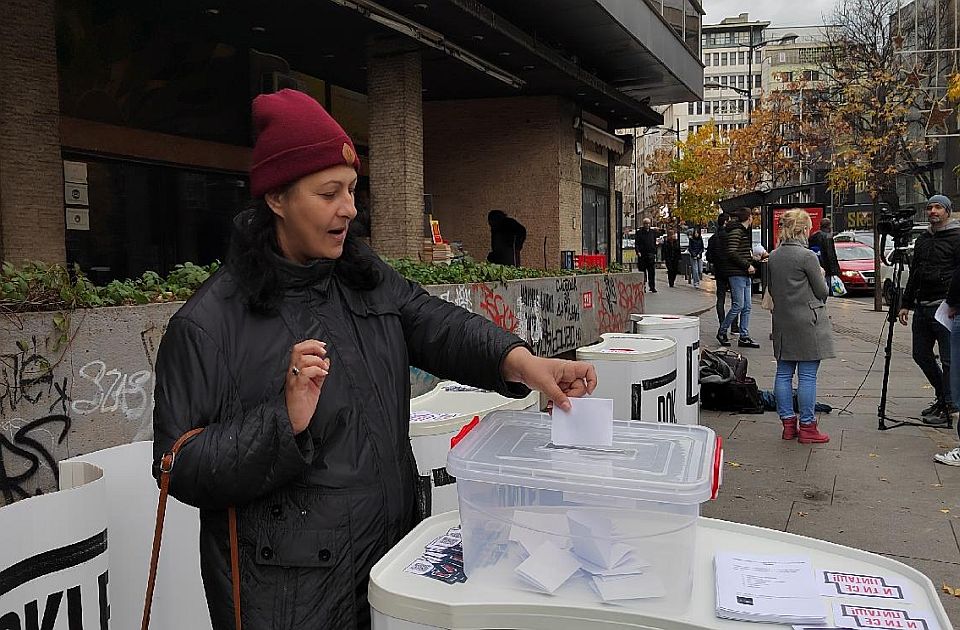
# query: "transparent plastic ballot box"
636, 501
406, 601
437, 416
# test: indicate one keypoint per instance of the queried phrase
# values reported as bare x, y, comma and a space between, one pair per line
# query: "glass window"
723, 80
716, 59
758, 56
741, 80
690, 109
723, 59
756, 80
706, 59
742, 57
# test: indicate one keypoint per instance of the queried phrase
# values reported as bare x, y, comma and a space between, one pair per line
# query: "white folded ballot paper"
770, 589
588, 423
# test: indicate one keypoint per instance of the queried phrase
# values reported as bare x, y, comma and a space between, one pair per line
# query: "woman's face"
313, 214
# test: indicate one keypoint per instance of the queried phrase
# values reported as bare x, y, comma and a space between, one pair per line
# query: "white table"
404, 601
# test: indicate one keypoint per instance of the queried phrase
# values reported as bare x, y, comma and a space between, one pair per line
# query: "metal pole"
750, 79
636, 199
677, 129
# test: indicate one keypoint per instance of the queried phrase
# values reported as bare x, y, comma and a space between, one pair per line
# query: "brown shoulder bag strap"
166, 465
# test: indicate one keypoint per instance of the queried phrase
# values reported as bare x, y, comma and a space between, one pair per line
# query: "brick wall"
510, 154
396, 150
31, 171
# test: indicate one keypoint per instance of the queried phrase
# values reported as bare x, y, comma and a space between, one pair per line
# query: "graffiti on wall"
549, 316
617, 299
25, 449
44, 394
496, 308
461, 295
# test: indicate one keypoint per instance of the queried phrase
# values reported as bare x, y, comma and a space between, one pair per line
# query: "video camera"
896, 224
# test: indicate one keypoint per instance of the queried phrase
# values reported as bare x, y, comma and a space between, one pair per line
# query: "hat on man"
296, 137
943, 200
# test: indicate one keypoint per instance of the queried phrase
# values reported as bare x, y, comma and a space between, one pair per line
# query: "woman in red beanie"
295, 359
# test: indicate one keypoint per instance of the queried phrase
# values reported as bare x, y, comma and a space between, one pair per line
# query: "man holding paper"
935, 256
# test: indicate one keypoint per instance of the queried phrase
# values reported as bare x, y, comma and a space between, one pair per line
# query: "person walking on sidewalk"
646, 246
671, 255
715, 253
936, 255
696, 257
802, 335
737, 266
821, 242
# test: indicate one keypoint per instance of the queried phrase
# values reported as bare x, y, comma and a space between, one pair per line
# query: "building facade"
126, 144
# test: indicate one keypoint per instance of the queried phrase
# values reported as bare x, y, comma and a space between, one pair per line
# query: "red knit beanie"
295, 137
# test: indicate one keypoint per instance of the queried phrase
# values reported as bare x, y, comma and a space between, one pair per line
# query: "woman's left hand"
557, 378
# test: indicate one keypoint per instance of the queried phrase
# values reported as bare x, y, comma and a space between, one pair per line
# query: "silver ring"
295, 370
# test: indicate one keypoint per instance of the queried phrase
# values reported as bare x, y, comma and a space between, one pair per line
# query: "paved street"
875, 490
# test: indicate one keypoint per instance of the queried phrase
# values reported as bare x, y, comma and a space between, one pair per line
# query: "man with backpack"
737, 266
715, 248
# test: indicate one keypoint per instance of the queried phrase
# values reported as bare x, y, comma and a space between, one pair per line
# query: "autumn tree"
702, 172
879, 99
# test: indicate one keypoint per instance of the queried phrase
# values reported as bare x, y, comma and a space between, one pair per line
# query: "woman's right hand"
306, 372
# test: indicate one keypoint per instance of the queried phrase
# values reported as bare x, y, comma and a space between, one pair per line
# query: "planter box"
97, 391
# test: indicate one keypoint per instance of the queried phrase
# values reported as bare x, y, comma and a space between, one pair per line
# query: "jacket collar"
293, 275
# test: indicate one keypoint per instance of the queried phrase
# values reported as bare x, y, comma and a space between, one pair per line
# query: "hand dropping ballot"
588, 423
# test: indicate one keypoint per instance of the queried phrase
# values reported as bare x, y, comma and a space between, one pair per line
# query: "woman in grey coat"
802, 335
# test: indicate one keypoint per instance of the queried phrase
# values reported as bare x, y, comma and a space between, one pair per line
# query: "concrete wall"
96, 390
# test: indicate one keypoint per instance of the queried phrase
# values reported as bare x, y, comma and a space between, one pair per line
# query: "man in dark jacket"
936, 255
645, 244
671, 255
715, 253
821, 242
737, 266
507, 236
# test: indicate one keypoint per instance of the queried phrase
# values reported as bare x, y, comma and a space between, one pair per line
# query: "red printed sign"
816, 214
588, 299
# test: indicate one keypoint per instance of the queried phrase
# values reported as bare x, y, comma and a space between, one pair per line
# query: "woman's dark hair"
251, 261
742, 214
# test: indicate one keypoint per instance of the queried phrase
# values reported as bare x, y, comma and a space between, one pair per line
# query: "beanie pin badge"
348, 155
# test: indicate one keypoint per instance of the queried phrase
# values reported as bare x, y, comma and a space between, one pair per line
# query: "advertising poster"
815, 212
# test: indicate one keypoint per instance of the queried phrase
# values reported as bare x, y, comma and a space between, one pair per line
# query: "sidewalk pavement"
874, 490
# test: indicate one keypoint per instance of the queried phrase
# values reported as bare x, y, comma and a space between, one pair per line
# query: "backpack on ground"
724, 384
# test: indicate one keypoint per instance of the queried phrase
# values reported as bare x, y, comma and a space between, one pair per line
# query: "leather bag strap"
166, 466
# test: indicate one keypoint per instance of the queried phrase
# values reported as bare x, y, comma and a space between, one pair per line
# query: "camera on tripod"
896, 224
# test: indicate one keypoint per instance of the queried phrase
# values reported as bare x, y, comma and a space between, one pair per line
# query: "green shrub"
37, 286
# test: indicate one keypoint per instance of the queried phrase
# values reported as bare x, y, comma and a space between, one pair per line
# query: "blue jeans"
740, 294
696, 269
806, 389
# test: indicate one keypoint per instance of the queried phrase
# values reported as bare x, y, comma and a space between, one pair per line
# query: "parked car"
857, 269
886, 271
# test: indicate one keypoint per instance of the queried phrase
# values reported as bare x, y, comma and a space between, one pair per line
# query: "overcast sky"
778, 12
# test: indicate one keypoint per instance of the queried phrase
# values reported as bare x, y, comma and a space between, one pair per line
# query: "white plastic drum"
686, 332
639, 372
437, 416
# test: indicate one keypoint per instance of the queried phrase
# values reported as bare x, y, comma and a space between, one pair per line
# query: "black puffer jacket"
736, 257
936, 256
315, 511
